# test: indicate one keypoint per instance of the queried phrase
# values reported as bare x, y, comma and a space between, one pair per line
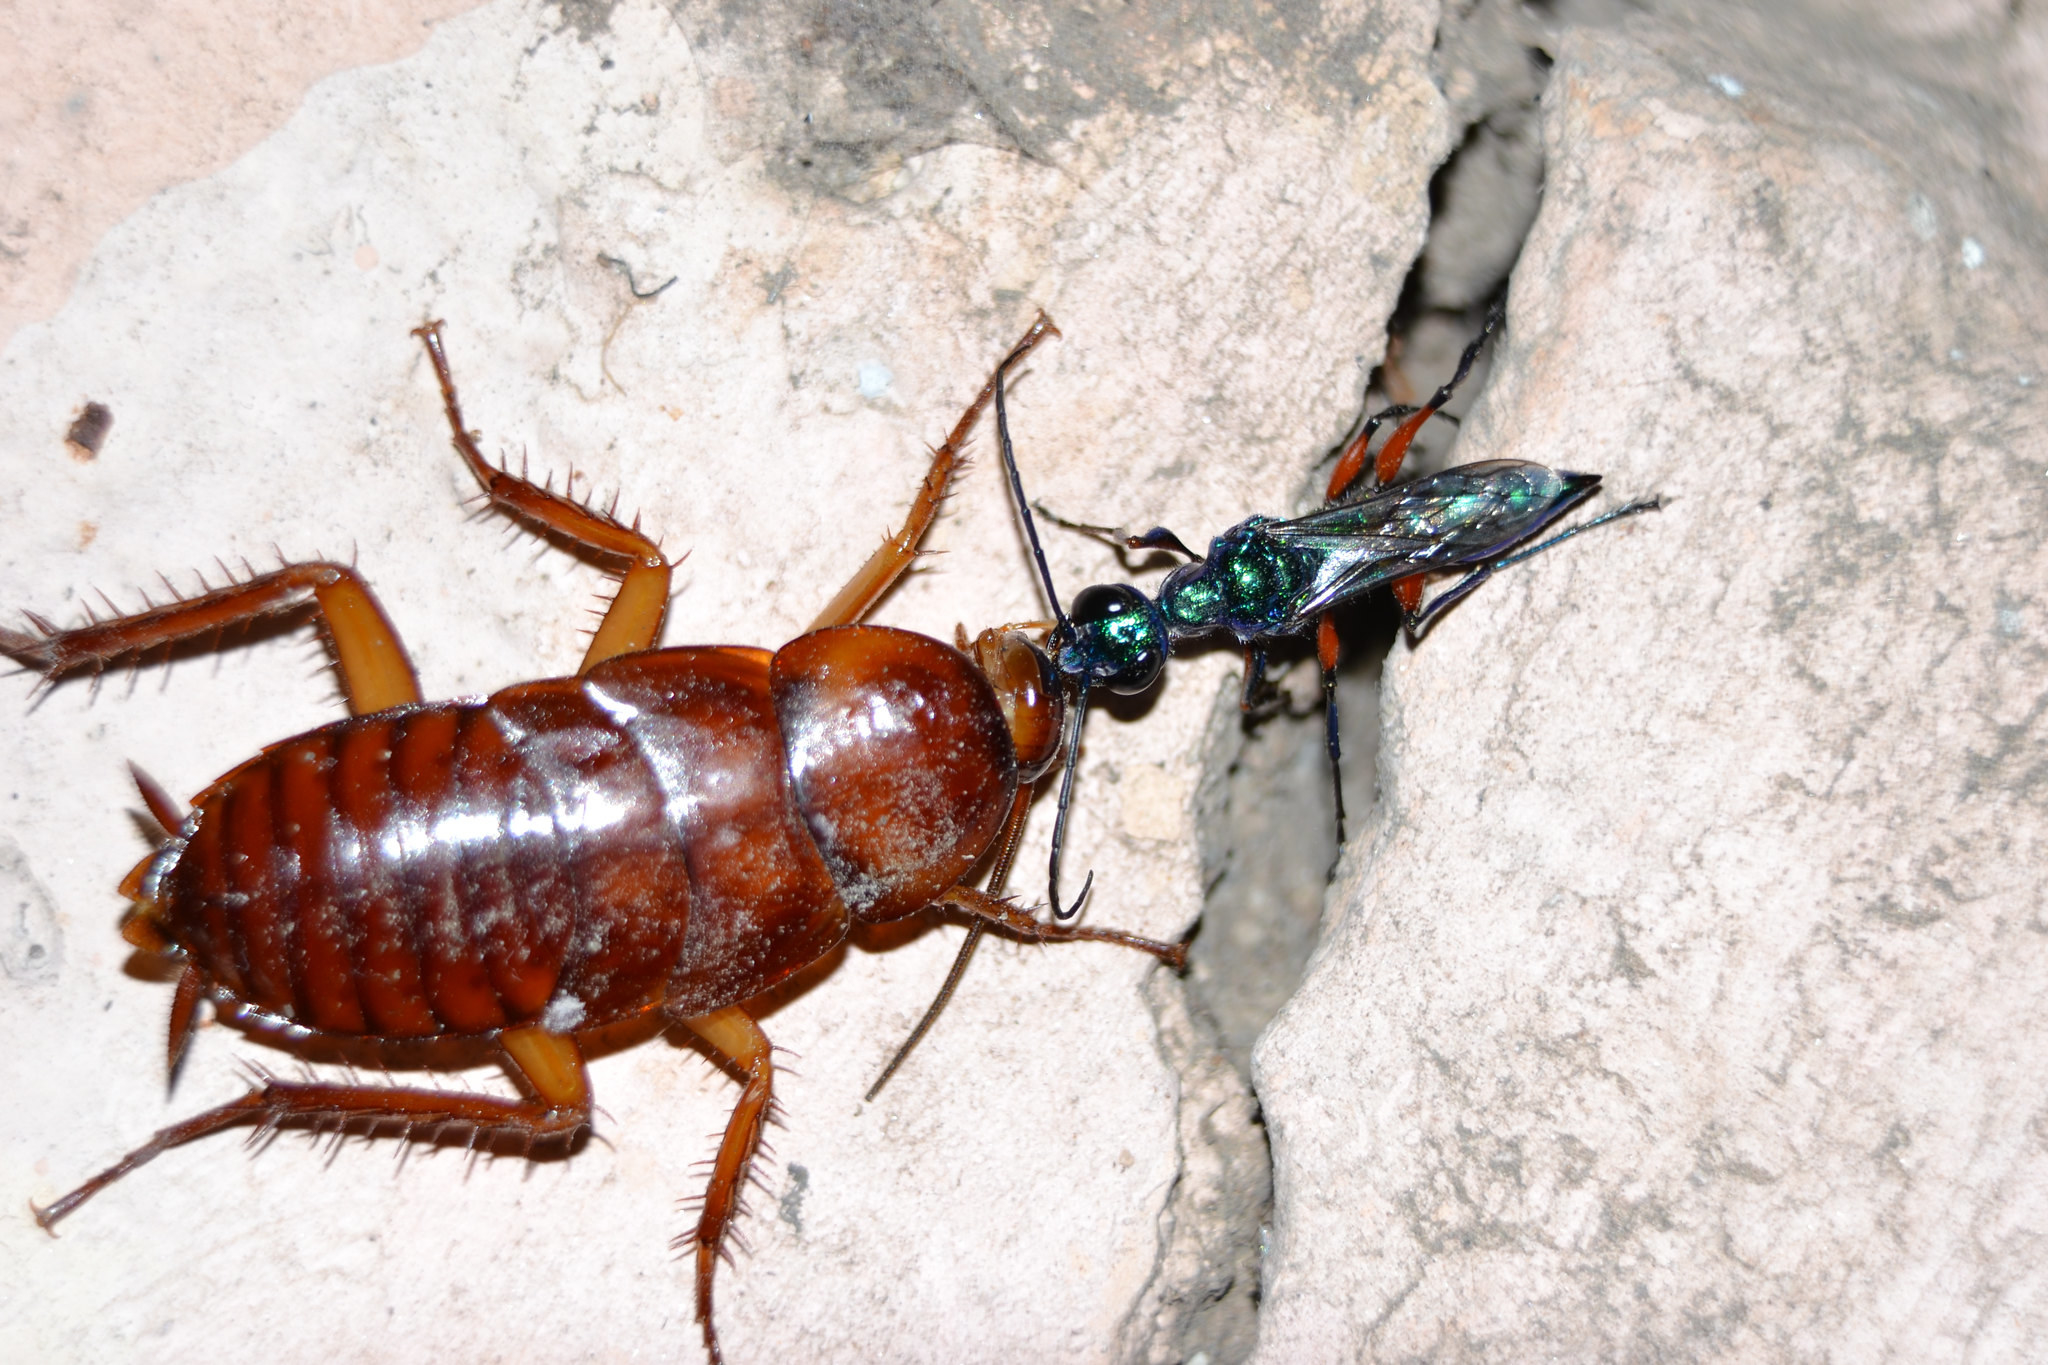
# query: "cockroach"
1266, 579
670, 832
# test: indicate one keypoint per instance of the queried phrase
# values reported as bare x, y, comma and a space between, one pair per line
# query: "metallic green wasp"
1267, 578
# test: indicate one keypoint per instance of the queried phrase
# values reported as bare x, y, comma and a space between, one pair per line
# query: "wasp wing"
1443, 521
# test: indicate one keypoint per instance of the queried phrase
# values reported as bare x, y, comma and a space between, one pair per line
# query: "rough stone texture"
1203, 1297
105, 104
1686, 998
860, 209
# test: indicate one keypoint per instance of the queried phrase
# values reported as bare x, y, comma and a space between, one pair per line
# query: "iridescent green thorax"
1193, 598
1243, 586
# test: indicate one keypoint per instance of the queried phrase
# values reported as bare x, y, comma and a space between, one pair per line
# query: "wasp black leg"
1326, 660
1254, 679
1416, 624
1650, 504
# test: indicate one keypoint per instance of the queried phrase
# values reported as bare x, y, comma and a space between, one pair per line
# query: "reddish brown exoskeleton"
671, 831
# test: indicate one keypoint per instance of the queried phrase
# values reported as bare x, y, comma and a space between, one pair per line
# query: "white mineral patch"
563, 1014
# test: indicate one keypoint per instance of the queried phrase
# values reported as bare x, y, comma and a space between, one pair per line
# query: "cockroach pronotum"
670, 831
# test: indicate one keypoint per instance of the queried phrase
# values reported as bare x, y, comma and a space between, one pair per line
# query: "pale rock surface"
857, 222
107, 103
1688, 996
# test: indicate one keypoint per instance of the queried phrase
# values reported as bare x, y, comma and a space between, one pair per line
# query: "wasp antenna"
1023, 505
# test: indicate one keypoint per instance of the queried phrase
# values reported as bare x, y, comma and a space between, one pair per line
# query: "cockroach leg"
739, 1041
633, 620
553, 1065
550, 1064
1013, 919
1006, 853
375, 672
853, 602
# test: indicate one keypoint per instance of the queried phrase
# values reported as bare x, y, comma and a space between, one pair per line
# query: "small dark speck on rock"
89, 430
791, 1207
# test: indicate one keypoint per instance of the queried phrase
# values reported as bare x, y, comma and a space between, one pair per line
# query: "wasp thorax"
1193, 599
1244, 585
